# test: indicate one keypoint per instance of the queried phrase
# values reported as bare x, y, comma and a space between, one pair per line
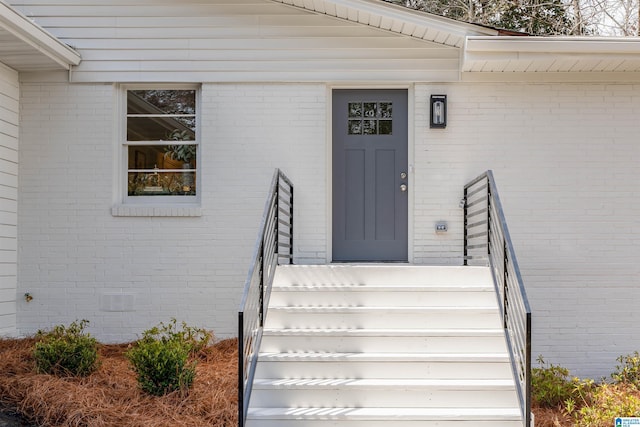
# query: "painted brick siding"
565, 158
9, 111
125, 274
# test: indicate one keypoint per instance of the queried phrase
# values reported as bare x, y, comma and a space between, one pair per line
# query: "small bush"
66, 351
163, 358
551, 385
628, 371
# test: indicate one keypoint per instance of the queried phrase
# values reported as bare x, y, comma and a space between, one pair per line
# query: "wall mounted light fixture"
438, 111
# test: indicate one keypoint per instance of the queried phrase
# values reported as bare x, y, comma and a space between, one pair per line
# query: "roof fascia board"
550, 45
23, 29
382, 9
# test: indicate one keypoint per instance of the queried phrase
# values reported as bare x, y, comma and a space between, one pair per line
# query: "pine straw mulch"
552, 418
110, 396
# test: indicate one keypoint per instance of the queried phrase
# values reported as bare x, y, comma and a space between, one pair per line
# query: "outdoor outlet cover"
441, 227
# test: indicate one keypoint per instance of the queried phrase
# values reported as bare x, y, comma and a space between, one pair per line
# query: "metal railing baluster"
511, 294
267, 253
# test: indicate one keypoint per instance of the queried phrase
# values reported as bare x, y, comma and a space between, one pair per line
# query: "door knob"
403, 187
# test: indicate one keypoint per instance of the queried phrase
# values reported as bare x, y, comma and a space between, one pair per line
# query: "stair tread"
458, 413
331, 287
396, 309
371, 357
386, 383
379, 332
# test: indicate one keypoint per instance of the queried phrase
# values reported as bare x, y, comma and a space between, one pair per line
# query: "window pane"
161, 129
162, 183
369, 127
370, 109
355, 127
385, 110
355, 109
385, 127
162, 156
161, 102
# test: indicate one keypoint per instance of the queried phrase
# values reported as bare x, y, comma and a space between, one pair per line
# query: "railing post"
276, 226
488, 218
291, 225
505, 281
241, 369
465, 252
261, 286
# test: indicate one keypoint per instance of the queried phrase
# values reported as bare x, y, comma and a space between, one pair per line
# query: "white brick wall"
79, 261
565, 158
9, 110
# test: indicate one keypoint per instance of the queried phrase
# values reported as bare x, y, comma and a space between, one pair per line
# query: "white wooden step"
384, 365
384, 340
383, 345
385, 417
397, 393
378, 295
381, 317
382, 274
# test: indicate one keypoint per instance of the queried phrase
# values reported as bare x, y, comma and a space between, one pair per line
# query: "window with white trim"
161, 145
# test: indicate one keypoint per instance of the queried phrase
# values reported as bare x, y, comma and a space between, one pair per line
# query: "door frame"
410, 88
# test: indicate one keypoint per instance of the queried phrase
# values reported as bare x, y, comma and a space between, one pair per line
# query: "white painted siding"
79, 261
9, 110
565, 157
232, 41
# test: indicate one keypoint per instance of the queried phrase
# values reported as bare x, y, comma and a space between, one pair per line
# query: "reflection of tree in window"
154, 118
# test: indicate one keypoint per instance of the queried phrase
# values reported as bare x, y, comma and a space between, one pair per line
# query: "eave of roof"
551, 54
24, 46
397, 19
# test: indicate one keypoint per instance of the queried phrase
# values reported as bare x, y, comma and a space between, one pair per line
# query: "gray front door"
370, 175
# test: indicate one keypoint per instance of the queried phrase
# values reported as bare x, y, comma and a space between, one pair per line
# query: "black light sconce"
438, 112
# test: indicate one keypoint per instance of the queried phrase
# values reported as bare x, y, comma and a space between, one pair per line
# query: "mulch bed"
111, 397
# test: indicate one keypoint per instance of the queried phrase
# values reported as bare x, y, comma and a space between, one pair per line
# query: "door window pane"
376, 118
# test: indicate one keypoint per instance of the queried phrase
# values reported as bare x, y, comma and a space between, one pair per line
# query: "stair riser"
372, 320
382, 275
383, 398
386, 344
403, 370
383, 423
382, 299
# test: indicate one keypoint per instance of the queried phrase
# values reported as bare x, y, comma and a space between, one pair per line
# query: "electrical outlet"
441, 227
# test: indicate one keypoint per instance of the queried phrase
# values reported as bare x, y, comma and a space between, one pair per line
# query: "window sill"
157, 210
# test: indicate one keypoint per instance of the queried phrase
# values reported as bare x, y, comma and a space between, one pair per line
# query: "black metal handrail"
274, 243
487, 239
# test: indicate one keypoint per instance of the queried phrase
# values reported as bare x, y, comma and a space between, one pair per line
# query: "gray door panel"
369, 154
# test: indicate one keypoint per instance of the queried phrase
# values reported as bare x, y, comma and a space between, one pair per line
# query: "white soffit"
24, 46
551, 54
396, 19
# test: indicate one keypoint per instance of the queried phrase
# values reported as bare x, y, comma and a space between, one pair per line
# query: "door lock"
403, 175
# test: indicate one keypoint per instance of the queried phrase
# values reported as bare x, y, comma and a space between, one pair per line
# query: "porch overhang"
551, 55
25, 46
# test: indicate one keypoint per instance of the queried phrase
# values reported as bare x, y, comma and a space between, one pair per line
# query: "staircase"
383, 345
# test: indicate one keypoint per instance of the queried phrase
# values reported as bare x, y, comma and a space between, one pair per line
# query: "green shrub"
66, 351
628, 371
163, 358
551, 385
